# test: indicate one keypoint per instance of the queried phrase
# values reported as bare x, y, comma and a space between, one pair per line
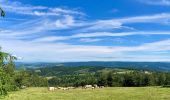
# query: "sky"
86, 30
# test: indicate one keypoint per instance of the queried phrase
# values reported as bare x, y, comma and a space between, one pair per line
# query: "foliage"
2, 12
12, 80
29, 79
6, 72
105, 77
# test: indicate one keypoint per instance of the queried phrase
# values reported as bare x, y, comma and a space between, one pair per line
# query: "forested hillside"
62, 70
103, 76
156, 66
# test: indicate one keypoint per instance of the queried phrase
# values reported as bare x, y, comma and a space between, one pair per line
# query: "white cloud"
66, 22
156, 18
31, 40
65, 52
90, 40
42, 25
51, 39
121, 23
156, 2
104, 25
81, 35
98, 34
19, 8
52, 51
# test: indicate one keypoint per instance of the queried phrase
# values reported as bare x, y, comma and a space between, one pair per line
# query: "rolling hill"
156, 66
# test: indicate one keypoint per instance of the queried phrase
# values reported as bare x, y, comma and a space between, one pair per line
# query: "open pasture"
115, 93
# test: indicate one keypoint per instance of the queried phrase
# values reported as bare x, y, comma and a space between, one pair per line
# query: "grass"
117, 93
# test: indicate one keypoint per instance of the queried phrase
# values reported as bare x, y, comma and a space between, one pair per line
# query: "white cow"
96, 86
51, 88
63, 88
23, 87
71, 87
88, 86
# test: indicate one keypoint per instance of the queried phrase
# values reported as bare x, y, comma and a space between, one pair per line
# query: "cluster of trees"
72, 80
113, 79
65, 70
134, 79
12, 80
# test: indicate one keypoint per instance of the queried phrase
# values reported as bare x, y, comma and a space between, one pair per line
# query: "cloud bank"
58, 34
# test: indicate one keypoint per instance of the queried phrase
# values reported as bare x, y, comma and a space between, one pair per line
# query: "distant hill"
156, 66
61, 70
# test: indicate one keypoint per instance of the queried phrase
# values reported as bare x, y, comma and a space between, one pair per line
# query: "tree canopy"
2, 12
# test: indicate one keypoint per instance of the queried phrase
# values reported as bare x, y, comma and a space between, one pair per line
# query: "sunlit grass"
117, 93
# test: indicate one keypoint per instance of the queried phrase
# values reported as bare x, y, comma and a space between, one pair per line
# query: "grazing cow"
62, 88
71, 87
51, 88
59, 87
23, 87
95, 85
92, 87
65, 88
88, 86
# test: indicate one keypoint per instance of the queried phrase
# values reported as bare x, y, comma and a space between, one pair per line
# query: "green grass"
117, 93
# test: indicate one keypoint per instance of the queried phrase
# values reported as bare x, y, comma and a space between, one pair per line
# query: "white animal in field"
51, 88
62, 88
88, 86
65, 89
59, 87
92, 87
23, 87
71, 87
95, 85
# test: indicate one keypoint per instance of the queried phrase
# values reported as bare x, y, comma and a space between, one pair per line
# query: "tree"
110, 80
4, 82
2, 12
6, 71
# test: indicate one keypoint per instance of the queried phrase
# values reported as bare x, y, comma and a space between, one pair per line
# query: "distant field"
122, 93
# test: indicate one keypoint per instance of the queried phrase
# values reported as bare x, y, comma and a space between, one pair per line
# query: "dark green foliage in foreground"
6, 72
12, 80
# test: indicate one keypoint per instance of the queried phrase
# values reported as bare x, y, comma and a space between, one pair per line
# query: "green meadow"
115, 93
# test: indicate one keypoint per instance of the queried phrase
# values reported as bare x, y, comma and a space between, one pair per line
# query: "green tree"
4, 82
2, 12
6, 70
110, 80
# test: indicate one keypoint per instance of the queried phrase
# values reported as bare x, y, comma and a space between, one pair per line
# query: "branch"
2, 12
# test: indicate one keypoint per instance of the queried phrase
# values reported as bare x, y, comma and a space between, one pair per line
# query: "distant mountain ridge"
158, 66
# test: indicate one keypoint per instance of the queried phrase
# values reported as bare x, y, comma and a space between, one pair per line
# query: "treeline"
12, 80
65, 70
114, 79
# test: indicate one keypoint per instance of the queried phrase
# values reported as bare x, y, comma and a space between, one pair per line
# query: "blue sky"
86, 30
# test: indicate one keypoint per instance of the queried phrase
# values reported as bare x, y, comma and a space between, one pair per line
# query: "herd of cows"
68, 88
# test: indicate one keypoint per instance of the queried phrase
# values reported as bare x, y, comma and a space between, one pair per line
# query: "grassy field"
118, 93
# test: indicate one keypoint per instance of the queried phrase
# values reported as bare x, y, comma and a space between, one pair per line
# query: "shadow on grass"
166, 86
